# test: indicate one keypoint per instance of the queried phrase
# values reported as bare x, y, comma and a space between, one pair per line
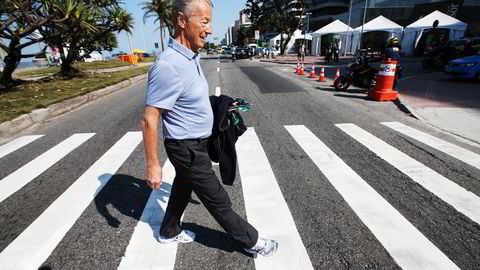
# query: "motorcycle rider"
392, 51
234, 54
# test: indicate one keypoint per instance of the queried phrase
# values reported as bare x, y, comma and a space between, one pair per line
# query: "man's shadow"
129, 195
214, 239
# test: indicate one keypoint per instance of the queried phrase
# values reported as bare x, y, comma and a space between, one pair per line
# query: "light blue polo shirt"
176, 84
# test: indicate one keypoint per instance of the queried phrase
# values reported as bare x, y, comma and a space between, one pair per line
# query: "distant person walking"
335, 53
302, 49
177, 91
299, 53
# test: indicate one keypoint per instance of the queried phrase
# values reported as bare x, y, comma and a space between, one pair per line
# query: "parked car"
241, 53
227, 51
210, 51
273, 51
466, 67
259, 50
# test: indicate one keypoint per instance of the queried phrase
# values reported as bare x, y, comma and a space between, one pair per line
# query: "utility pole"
348, 28
305, 34
361, 33
129, 44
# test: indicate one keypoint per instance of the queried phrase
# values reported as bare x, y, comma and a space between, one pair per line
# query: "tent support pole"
349, 18
364, 16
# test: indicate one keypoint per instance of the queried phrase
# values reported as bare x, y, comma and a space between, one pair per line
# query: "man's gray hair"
185, 6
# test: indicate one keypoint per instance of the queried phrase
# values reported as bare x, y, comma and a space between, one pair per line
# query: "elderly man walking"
177, 92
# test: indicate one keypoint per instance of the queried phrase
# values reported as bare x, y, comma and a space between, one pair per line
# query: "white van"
93, 56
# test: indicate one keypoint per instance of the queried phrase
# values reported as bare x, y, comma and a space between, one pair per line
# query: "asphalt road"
352, 206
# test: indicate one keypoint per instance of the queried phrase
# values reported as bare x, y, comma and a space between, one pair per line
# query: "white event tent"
336, 27
414, 31
291, 44
381, 24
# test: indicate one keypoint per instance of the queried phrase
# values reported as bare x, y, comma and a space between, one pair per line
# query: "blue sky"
225, 12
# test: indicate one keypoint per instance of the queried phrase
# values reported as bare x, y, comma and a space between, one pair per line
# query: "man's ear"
182, 20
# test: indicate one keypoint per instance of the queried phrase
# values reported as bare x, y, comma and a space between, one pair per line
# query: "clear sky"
225, 12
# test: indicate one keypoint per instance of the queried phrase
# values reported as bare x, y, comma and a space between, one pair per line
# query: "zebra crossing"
265, 205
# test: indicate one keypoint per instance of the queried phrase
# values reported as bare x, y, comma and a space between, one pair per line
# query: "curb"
403, 106
37, 116
409, 110
276, 62
306, 63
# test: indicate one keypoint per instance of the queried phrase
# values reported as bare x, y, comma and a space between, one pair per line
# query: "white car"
272, 50
93, 56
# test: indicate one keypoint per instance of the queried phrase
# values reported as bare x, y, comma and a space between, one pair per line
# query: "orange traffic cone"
322, 74
385, 81
302, 71
338, 74
312, 75
297, 70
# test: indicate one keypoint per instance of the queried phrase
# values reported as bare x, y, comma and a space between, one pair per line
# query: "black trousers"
194, 172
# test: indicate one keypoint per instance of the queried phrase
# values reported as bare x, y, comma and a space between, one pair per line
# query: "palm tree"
88, 28
20, 20
162, 11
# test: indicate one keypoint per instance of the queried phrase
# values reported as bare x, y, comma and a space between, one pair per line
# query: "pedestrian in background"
299, 52
302, 49
177, 92
335, 53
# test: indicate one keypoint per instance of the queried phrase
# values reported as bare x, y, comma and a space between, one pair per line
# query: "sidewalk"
448, 106
457, 120
309, 60
319, 60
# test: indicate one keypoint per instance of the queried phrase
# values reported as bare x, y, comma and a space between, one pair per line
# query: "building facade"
403, 12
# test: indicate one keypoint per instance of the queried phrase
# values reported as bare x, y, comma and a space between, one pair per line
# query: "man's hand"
149, 124
154, 176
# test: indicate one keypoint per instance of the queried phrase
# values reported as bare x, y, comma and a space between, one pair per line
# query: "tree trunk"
67, 62
282, 48
11, 62
286, 41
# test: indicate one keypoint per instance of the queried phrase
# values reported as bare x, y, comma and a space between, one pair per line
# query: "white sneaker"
264, 247
185, 236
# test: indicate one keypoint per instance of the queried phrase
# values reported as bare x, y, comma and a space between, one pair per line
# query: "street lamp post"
348, 28
361, 33
305, 34
129, 44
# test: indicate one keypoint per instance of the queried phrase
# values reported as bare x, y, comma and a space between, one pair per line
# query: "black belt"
200, 140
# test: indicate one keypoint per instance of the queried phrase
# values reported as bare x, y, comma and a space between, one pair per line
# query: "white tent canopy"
378, 24
291, 44
414, 31
335, 27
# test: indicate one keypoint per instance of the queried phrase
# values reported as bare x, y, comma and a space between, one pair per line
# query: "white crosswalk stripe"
461, 199
266, 208
17, 144
408, 247
144, 252
31, 248
34, 168
457, 152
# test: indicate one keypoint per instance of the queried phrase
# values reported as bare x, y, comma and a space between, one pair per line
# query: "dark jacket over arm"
227, 127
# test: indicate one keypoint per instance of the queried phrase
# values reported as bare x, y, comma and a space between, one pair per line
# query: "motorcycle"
437, 59
359, 73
